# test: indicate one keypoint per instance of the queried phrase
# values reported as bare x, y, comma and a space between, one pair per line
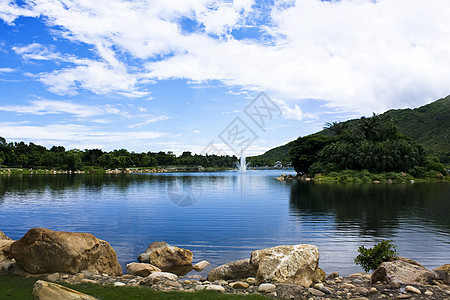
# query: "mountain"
428, 125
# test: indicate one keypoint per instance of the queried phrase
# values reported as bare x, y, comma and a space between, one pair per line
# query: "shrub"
371, 258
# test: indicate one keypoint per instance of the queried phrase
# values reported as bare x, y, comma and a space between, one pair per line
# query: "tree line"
372, 144
23, 155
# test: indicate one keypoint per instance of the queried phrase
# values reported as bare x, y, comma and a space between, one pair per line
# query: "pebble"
358, 281
216, 288
428, 293
199, 287
65, 276
250, 280
89, 281
105, 275
394, 285
403, 296
78, 277
347, 285
411, 289
118, 283
201, 265
239, 285
315, 292
373, 290
266, 287
53, 277
362, 290
206, 282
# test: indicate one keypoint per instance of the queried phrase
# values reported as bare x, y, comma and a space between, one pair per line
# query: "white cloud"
149, 120
7, 70
46, 107
358, 55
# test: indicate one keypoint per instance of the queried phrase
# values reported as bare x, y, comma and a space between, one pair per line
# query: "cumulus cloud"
360, 55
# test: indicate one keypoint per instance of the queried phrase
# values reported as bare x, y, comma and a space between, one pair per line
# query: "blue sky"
172, 75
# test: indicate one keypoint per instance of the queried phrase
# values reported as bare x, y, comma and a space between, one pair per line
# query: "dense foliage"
371, 258
372, 144
30, 155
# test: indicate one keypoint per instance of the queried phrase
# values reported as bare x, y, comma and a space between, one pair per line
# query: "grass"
21, 288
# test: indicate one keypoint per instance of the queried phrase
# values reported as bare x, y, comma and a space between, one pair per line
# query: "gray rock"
158, 277
315, 292
266, 287
216, 288
290, 291
201, 265
141, 269
234, 270
362, 291
404, 272
443, 273
53, 277
145, 257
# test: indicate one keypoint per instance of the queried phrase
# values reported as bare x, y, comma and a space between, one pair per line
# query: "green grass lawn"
18, 288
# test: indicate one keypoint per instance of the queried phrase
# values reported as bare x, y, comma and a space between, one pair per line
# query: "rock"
78, 277
87, 274
201, 265
394, 284
199, 287
443, 273
266, 287
428, 293
347, 286
362, 291
4, 237
315, 292
239, 285
43, 290
157, 277
286, 264
141, 269
145, 257
251, 280
333, 275
234, 270
216, 288
171, 257
290, 291
5, 249
403, 296
43, 250
319, 275
411, 289
53, 277
118, 283
373, 290
404, 272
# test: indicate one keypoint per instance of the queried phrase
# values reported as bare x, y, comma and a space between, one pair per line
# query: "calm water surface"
223, 216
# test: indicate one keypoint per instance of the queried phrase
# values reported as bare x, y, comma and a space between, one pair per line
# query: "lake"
223, 216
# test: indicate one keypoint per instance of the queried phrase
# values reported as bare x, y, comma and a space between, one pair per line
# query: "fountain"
242, 165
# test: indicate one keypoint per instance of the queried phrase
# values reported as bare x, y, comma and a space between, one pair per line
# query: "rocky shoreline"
282, 272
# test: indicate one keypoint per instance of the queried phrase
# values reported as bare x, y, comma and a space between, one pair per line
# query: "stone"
199, 287
43, 290
234, 270
87, 274
266, 287
347, 286
78, 277
158, 277
319, 275
315, 292
333, 275
4, 237
290, 291
171, 257
145, 257
404, 272
5, 245
53, 277
295, 264
373, 290
239, 285
443, 273
394, 284
43, 250
411, 289
201, 265
141, 269
428, 293
216, 288
357, 281
251, 280
118, 283
403, 296
362, 291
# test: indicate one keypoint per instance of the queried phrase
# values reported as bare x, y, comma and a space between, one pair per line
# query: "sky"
212, 76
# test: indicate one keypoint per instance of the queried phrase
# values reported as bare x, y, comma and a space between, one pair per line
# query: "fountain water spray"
242, 164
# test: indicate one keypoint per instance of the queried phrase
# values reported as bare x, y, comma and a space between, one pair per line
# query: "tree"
74, 161
304, 151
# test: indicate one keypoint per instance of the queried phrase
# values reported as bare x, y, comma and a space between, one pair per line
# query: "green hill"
428, 125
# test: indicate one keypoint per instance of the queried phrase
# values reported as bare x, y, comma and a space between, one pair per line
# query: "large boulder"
240, 269
43, 290
296, 264
145, 257
443, 273
404, 271
43, 250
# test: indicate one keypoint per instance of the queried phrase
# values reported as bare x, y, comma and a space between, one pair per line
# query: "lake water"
223, 216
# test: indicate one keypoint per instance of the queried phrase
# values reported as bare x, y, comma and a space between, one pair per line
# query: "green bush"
371, 258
